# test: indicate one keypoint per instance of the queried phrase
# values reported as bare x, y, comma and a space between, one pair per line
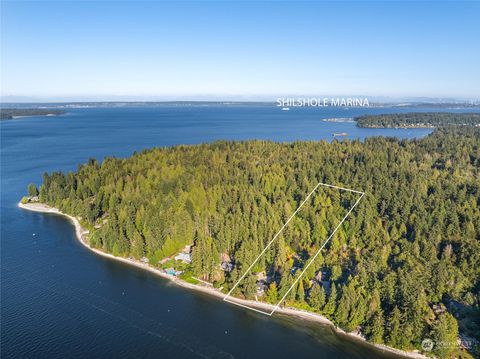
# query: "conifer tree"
444, 335
272, 294
394, 337
316, 297
331, 305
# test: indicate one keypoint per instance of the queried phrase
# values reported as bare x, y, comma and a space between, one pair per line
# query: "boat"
339, 134
285, 108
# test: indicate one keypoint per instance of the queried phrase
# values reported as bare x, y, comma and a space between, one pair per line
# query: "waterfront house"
184, 257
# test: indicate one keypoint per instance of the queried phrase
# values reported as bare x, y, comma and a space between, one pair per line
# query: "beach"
82, 233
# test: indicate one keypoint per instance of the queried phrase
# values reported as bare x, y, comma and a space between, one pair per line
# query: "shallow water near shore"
61, 300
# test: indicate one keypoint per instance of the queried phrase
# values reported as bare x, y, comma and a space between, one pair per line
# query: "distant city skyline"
255, 51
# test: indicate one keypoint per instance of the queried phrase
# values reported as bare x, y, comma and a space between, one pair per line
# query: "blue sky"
162, 50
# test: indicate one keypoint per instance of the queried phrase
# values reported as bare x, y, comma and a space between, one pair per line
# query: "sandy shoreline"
81, 234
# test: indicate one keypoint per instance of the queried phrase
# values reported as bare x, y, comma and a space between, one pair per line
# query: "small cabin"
226, 266
261, 287
226, 262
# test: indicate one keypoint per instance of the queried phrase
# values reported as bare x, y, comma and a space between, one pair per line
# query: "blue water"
59, 300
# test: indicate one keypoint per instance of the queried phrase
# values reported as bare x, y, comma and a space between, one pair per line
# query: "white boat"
285, 108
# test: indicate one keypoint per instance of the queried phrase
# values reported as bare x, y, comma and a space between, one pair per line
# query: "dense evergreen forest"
404, 266
419, 119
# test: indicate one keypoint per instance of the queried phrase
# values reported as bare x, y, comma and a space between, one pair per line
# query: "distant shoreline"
22, 116
14, 113
374, 102
26, 116
404, 127
81, 235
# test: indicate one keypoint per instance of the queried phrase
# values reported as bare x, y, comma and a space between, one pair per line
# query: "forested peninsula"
418, 120
403, 267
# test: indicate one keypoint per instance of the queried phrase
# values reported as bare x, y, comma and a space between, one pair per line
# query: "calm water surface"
58, 300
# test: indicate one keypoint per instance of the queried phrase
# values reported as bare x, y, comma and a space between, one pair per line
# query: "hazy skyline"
157, 50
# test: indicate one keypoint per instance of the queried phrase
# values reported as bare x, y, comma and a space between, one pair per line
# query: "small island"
11, 113
418, 120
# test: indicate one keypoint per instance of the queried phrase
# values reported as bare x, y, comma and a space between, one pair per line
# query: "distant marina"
339, 120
